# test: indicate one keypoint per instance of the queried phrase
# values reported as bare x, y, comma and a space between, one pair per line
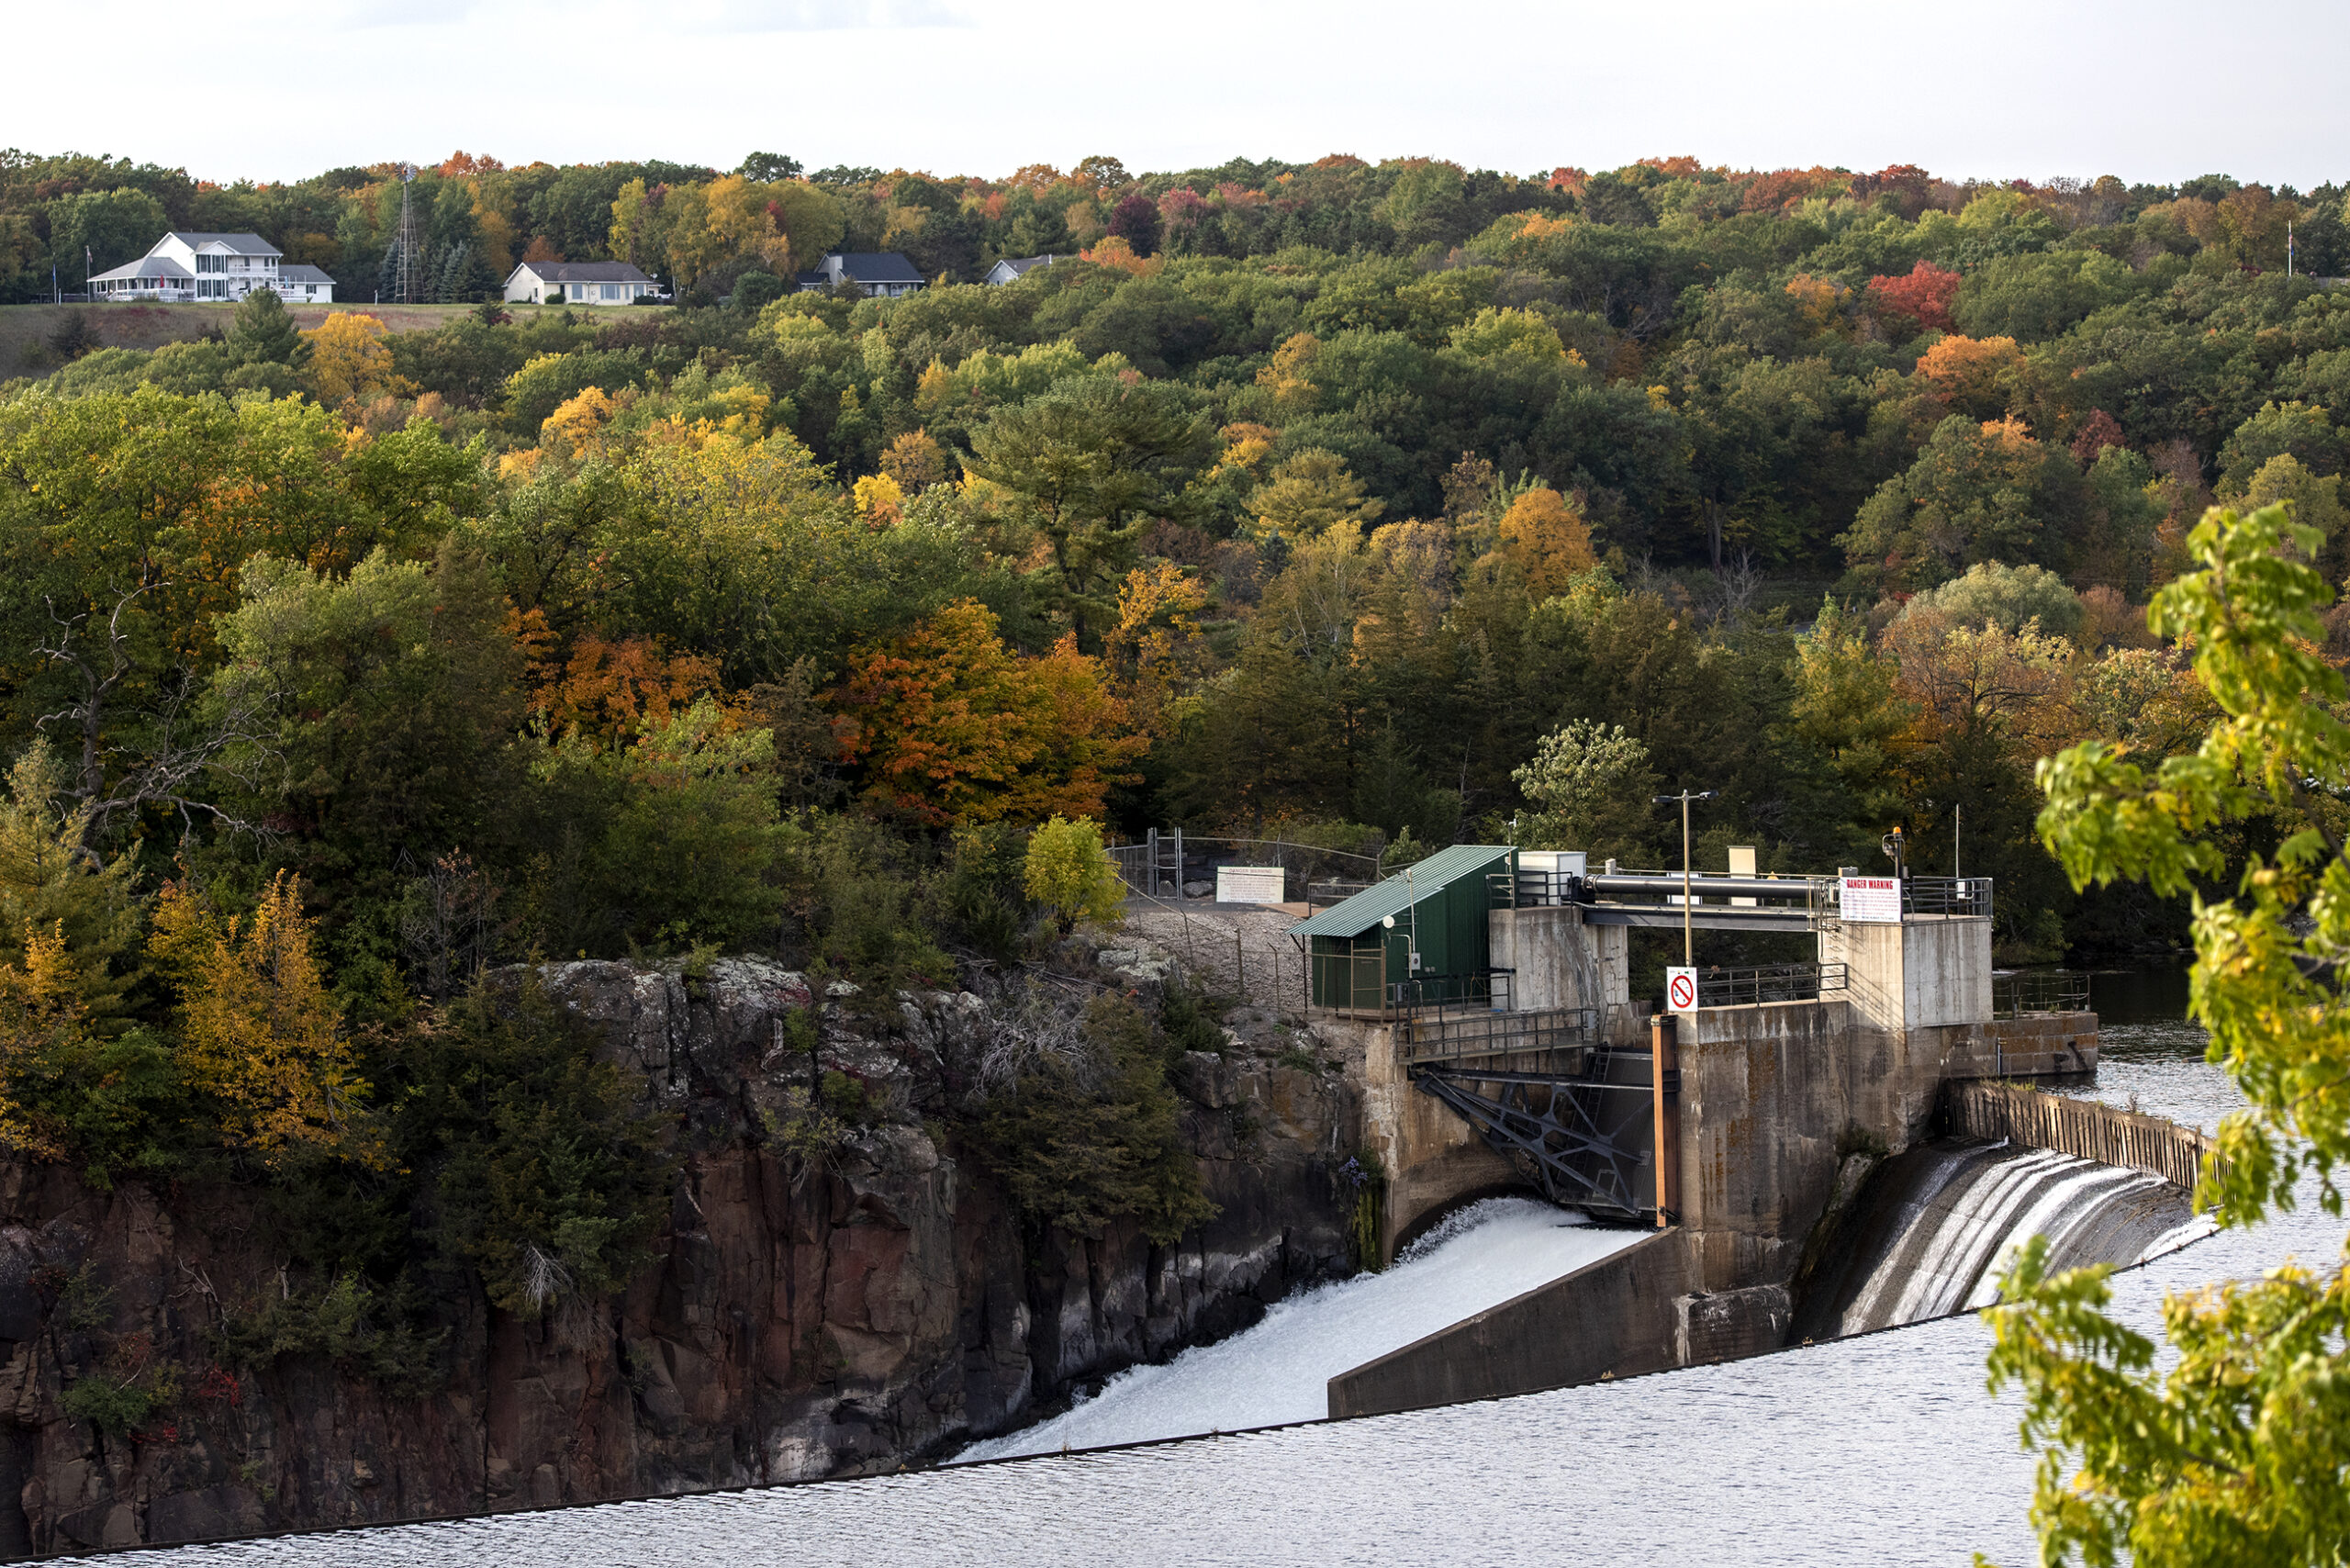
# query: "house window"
612, 291
212, 264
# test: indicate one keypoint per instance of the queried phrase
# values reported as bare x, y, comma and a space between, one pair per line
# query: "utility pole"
1689, 929
2289, 247
1957, 815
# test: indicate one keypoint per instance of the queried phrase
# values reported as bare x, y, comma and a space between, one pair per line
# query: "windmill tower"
408, 271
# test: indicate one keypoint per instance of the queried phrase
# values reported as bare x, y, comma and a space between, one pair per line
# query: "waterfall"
1943, 1218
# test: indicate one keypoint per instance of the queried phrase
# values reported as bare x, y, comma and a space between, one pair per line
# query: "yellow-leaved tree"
348, 357
259, 1034
41, 1007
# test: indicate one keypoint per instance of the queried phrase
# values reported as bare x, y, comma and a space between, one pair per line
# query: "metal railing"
1752, 986
2038, 991
1450, 1038
1162, 862
1488, 989
1334, 893
1529, 889
1946, 895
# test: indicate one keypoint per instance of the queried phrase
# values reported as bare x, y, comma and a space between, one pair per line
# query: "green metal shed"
1426, 923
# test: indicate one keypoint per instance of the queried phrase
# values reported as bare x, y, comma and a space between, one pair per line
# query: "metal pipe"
1673, 882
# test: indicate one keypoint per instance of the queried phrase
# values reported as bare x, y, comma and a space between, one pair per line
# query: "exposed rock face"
801, 1318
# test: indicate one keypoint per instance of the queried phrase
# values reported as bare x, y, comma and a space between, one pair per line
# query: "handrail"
2038, 991
1449, 1038
1754, 985
1946, 895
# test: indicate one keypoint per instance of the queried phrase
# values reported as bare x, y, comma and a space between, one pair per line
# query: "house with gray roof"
184, 266
1012, 269
579, 282
877, 275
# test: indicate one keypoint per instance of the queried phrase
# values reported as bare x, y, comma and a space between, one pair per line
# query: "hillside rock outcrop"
802, 1317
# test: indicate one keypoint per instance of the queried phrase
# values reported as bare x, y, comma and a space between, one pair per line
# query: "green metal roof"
1398, 892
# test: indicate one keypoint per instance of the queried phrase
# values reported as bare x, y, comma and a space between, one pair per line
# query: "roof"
1397, 893
145, 266
585, 272
302, 272
1020, 264
242, 244
876, 266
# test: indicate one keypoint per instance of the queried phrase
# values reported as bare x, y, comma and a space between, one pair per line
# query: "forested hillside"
1378, 506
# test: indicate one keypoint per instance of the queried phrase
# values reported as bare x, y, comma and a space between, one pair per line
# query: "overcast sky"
2155, 91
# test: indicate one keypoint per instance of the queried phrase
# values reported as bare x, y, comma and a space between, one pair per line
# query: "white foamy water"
1278, 1371
1999, 1203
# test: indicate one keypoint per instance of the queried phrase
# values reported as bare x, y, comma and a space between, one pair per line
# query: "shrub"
1086, 1137
1068, 872
552, 1179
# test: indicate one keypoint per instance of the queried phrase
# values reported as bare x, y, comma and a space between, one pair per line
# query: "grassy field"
146, 326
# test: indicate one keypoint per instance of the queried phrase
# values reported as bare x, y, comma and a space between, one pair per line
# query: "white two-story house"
213, 266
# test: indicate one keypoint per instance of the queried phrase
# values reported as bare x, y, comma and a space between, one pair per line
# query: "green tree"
1309, 491
263, 332
552, 1175
113, 227
1067, 870
1991, 594
50, 880
1098, 459
1087, 1137
2233, 1454
1594, 783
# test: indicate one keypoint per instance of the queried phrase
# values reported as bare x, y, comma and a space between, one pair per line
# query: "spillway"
1940, 1221
1278, 1370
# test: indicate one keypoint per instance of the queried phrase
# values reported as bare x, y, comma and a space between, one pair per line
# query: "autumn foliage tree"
1548, 540
951, 726
348, 358
260, 1035
1923, 296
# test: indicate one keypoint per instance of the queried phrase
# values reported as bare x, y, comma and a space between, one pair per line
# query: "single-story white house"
213, 266
879, 274
579, 283
1012, 269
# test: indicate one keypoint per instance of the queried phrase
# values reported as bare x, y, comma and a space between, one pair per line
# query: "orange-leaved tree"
615, 691
259, 1034
950, 725
1546, 538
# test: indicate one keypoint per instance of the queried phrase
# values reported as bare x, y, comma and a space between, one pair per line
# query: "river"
1881, 1449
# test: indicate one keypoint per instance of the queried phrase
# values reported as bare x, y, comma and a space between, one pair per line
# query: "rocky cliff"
804, 1316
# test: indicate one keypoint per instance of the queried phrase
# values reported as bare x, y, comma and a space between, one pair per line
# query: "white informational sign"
1248, 884
1873, 899
1680, 989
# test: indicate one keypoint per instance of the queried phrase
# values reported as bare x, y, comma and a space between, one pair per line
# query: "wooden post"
1662, 1057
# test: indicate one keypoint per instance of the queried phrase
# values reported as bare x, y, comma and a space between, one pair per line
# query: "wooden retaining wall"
2079, 1127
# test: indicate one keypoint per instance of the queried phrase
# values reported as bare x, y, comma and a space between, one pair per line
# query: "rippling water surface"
1883, 1449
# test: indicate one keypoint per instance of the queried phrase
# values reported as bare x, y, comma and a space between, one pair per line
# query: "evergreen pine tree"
265, 331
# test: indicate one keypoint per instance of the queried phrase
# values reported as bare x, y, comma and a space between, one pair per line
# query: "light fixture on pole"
1688, 938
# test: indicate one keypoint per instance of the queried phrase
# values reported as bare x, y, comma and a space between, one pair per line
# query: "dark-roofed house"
579, 283
1012, 269
183, 266
877, 275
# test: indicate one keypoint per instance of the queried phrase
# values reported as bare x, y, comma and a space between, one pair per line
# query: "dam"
1485, 994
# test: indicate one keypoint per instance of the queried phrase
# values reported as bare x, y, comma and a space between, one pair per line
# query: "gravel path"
1236, 950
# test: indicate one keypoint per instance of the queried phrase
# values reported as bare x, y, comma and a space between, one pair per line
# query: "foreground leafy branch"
2239, 1454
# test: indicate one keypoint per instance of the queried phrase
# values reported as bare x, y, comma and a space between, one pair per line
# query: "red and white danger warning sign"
1871, 897
1680, 989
